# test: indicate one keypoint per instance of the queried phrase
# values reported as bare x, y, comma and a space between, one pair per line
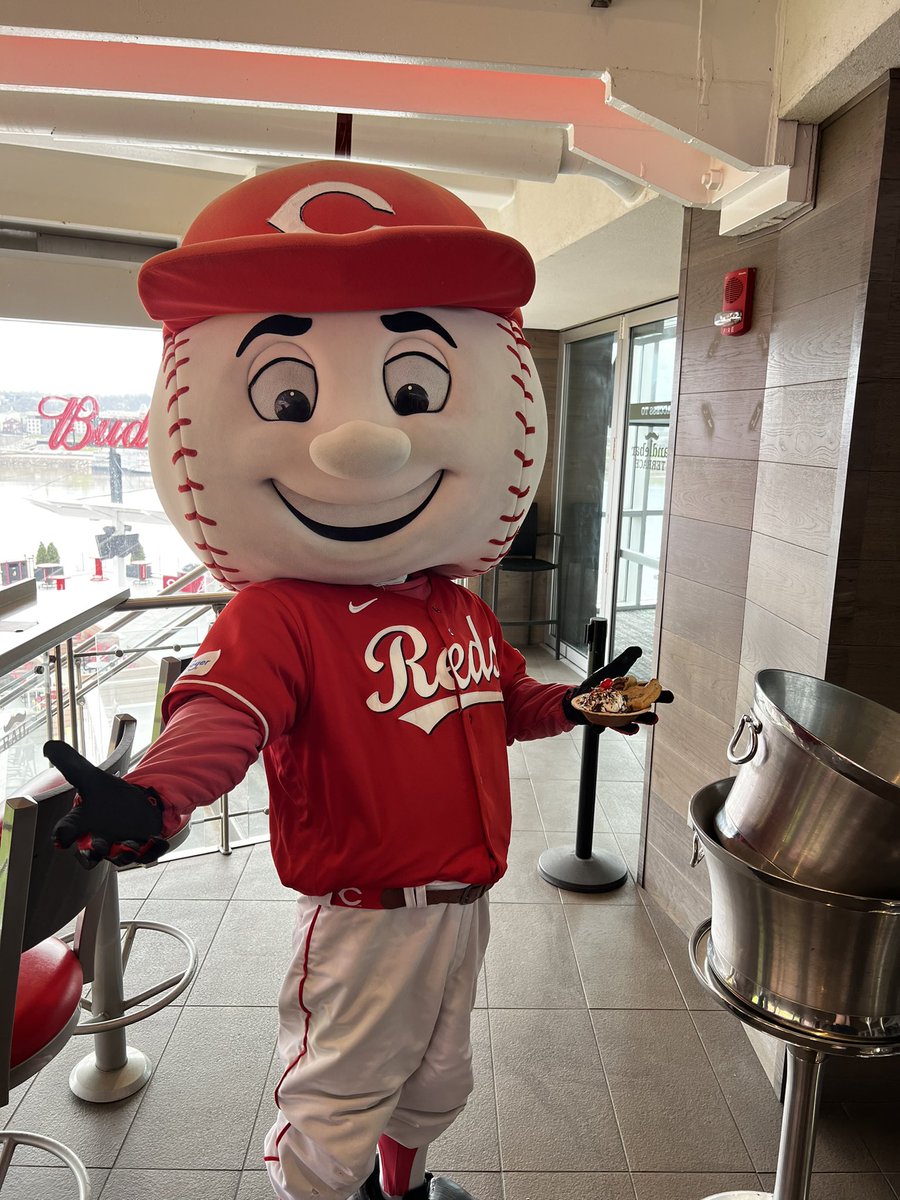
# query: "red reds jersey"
385, 714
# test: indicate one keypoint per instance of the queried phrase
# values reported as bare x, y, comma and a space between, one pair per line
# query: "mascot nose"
360, 450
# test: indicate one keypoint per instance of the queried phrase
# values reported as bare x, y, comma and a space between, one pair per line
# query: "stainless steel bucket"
813, 959
817, 796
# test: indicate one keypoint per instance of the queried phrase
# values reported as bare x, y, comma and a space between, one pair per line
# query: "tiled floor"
604, 1072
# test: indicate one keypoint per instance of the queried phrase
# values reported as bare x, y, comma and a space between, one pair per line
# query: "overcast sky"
77, 360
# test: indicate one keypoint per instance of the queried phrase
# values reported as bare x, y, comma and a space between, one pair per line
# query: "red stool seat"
49, 991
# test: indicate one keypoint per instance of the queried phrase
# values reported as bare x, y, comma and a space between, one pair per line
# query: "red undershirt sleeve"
533, 709
205, 750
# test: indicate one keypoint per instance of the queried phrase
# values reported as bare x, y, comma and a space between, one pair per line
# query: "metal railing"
71, 688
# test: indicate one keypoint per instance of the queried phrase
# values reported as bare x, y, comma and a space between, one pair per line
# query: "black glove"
619, 666
110, 818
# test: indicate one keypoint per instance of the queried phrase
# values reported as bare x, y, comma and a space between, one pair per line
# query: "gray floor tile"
675, 944
265, 1117
485, 1185
205, 1094
94, 1131
672, 1114
204, 877
522, 884
139, 882
249, 955
841, 1186
557, 800
756, 1109
554, 1107
609, 861
525, 814
157, 956
517, 766
894, 1181
254, 1185
471, 1143
616, 763
571, 1185
665, 1185
621, 804
879, 1127
259, 880
530, 962
630, 849
151, 1184
620, 959
46, 1183
16, 1096
552, 758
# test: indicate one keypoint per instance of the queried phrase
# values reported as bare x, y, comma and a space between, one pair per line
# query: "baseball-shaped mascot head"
345, 393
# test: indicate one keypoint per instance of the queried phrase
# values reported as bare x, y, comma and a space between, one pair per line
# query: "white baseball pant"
374, 1037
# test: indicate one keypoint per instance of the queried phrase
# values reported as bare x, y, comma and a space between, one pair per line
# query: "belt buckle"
472, 893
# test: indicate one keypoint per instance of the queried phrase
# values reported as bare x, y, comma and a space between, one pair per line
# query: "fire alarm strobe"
737, 302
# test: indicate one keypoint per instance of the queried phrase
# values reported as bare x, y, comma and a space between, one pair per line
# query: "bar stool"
115, 1070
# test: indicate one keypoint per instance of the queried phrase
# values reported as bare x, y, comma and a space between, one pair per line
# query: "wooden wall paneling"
875, 414
677, 776
861, 668
790, 582
770, 641
693, 730
796, 504
885, 262
871, 527
709, 553
814, 341
866, 607
704, 615
682, 890
714, 489
720, 424
880, 350
712, 363
696, 674
826, 250
804, 424
851, 148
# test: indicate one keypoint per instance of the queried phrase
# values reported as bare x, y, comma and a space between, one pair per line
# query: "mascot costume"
346, 420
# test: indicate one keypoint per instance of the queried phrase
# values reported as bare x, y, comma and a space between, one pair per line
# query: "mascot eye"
416, 383
284, 390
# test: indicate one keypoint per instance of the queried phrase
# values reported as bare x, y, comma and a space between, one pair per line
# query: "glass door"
651, 365
615, 401
584, 484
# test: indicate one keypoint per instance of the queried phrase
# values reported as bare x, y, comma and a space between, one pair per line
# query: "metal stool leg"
798, 1125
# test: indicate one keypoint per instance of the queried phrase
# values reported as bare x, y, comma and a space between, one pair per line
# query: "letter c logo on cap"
289, 217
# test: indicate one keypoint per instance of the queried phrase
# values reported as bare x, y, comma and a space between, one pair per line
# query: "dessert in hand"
623, 694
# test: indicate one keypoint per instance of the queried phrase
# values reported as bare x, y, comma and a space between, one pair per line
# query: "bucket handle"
697, 852
751, 723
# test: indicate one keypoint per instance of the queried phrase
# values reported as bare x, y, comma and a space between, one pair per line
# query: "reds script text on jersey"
385, 714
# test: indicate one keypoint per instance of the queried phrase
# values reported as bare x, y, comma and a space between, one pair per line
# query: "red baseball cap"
335, 237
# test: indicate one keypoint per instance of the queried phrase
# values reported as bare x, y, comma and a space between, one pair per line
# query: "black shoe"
432, 1189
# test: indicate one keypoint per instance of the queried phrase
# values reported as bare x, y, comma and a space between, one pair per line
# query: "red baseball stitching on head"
180, 457
521, 383
522, 364
173, 399
521, 417
521, 493
514, 516
526, 462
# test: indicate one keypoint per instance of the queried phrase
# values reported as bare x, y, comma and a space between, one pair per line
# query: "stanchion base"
599, 873
88, 1082
741, 1196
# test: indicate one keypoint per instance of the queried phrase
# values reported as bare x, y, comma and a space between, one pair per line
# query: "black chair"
523, 558
42, 890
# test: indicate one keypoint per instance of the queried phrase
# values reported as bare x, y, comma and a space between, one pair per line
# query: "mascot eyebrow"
279, 323
409, 322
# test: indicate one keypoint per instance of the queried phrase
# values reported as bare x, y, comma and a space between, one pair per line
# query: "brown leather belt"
396, 898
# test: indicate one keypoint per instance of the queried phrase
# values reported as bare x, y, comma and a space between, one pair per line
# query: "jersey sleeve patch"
202, 664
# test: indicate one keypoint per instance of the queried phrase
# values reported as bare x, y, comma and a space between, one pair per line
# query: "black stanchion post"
580, 870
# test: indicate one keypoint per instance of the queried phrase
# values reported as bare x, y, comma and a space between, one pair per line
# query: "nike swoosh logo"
357, 608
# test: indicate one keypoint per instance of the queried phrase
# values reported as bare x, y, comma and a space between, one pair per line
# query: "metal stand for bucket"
581, 870
806, 1054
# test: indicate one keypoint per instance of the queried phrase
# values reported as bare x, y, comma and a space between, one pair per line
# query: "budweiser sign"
78, 425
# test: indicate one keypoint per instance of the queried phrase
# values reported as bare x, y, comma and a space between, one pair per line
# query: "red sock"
401, 1168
